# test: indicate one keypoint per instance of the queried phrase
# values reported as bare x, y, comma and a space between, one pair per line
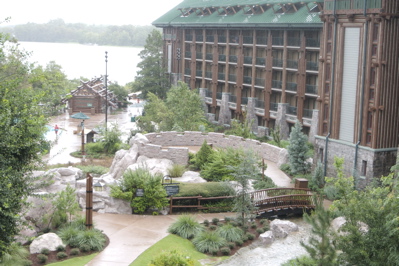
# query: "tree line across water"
59, 31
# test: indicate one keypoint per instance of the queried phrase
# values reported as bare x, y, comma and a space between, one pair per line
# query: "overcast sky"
99, 12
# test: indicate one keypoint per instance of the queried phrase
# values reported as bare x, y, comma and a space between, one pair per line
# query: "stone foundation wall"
218, 140
177, 155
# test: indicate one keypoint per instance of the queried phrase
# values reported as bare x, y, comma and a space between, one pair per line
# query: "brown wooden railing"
199, 202
287, 202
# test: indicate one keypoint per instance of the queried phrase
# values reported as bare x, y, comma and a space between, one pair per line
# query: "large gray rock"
154, 165
281, 228
190, 177
338, 222
50, 241
138, 138
283, 157
39, 206
67, 171
267, 238
122, 160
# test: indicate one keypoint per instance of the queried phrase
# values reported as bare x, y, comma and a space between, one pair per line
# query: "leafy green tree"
66, 203
151, 76
298, 150
22, 127
247, 169
241, 129
173, 113
120, 92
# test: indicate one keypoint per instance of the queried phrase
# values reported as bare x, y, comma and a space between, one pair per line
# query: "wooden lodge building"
90, 97
331, 64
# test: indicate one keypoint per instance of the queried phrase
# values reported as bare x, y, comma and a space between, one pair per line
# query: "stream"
280, 251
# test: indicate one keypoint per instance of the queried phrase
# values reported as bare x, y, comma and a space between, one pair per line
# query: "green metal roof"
271, 17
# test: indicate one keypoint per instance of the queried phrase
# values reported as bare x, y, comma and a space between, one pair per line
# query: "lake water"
78, 60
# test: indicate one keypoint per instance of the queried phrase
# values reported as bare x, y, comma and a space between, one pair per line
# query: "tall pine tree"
297, 150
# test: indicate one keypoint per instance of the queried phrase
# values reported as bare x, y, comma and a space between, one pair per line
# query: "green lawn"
169, 243
78, 261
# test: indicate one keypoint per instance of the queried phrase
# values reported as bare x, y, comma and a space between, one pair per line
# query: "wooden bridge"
268, 202
282, 201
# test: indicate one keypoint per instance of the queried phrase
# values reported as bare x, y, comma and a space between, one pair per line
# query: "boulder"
38, 208
50, 241
138, 138
283, 157
338, 222
154, 165
282, 228
122, 160
190, 177
66, 171
267, 238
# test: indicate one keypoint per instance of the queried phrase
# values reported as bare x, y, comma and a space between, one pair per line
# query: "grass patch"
169, 243
78, 261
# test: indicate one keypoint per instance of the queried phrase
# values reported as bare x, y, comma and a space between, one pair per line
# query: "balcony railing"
209, 57
221, 76
292, 64
277, 62
210, 38
259, 104
232, 77
248, 39
232, 58
208, 74
261, 40
308, 113
279, 41
313, 66
222, 39
277, 84
189, 37
260, 61
311, 89
199, 38
208, 93
273, 106
311, 42
187, 54
291, 86
232, 98
293, 41
187, 71
198, 73
248, 60
222, 58
198, 55
244, 100
292, 110
259, 82
247, 80
218, 95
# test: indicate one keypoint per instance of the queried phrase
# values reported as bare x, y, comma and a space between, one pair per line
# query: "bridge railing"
286, 201
274, 192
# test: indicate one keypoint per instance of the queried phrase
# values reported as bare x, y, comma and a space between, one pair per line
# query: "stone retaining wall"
218, 140
178, 155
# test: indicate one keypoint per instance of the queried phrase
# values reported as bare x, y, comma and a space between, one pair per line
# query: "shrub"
42, 258
239, 242
186, 226
74, 251
225, 251
253, 225
244, 238
231, 245
230, 233
219, 224
94, 239
15, 254
234, 223
245, 227
45, 251
93, 148
69, 235
172, 258
208, 189
206, 222
176, 170
208, 241
227, 219
260, 230
250, 236
85, 248
203, 156
60, 248
265, 183
263, 221
286, 168
61, 255
266, 228
212, 227
223, 205
215, 220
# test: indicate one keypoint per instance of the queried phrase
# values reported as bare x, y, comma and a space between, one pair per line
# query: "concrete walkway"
130, 235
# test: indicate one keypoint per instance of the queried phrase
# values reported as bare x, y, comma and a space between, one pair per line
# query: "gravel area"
275, 254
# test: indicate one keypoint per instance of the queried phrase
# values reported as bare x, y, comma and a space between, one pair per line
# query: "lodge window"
371, 95
372, 76
369, 128
364, 168
375, 32
328, 78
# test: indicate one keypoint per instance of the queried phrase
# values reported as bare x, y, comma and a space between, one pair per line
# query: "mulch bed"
52, 256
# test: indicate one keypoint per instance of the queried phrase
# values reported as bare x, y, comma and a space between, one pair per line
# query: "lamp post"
106, 90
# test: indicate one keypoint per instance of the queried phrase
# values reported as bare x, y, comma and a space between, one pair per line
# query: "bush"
260, 230
253, 225
60, 248
223, 205
93, 238
176, 170
93, 148
172, 258
206, 222
225, 251
45, 251
61, 255
231, 245
263, 221
15, 254
208, 189
265, 183
74, 251
239, 242
42, 258
85, 248
208, 241
250, 236
244, 238
215, 220
69, 235
227, 219
186, 226
203, 156
230, 233
266, 228
212, 227
245, 227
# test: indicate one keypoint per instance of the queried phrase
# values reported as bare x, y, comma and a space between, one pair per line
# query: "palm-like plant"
186, 226
209, 242
230, 232
15, 255
93, 238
